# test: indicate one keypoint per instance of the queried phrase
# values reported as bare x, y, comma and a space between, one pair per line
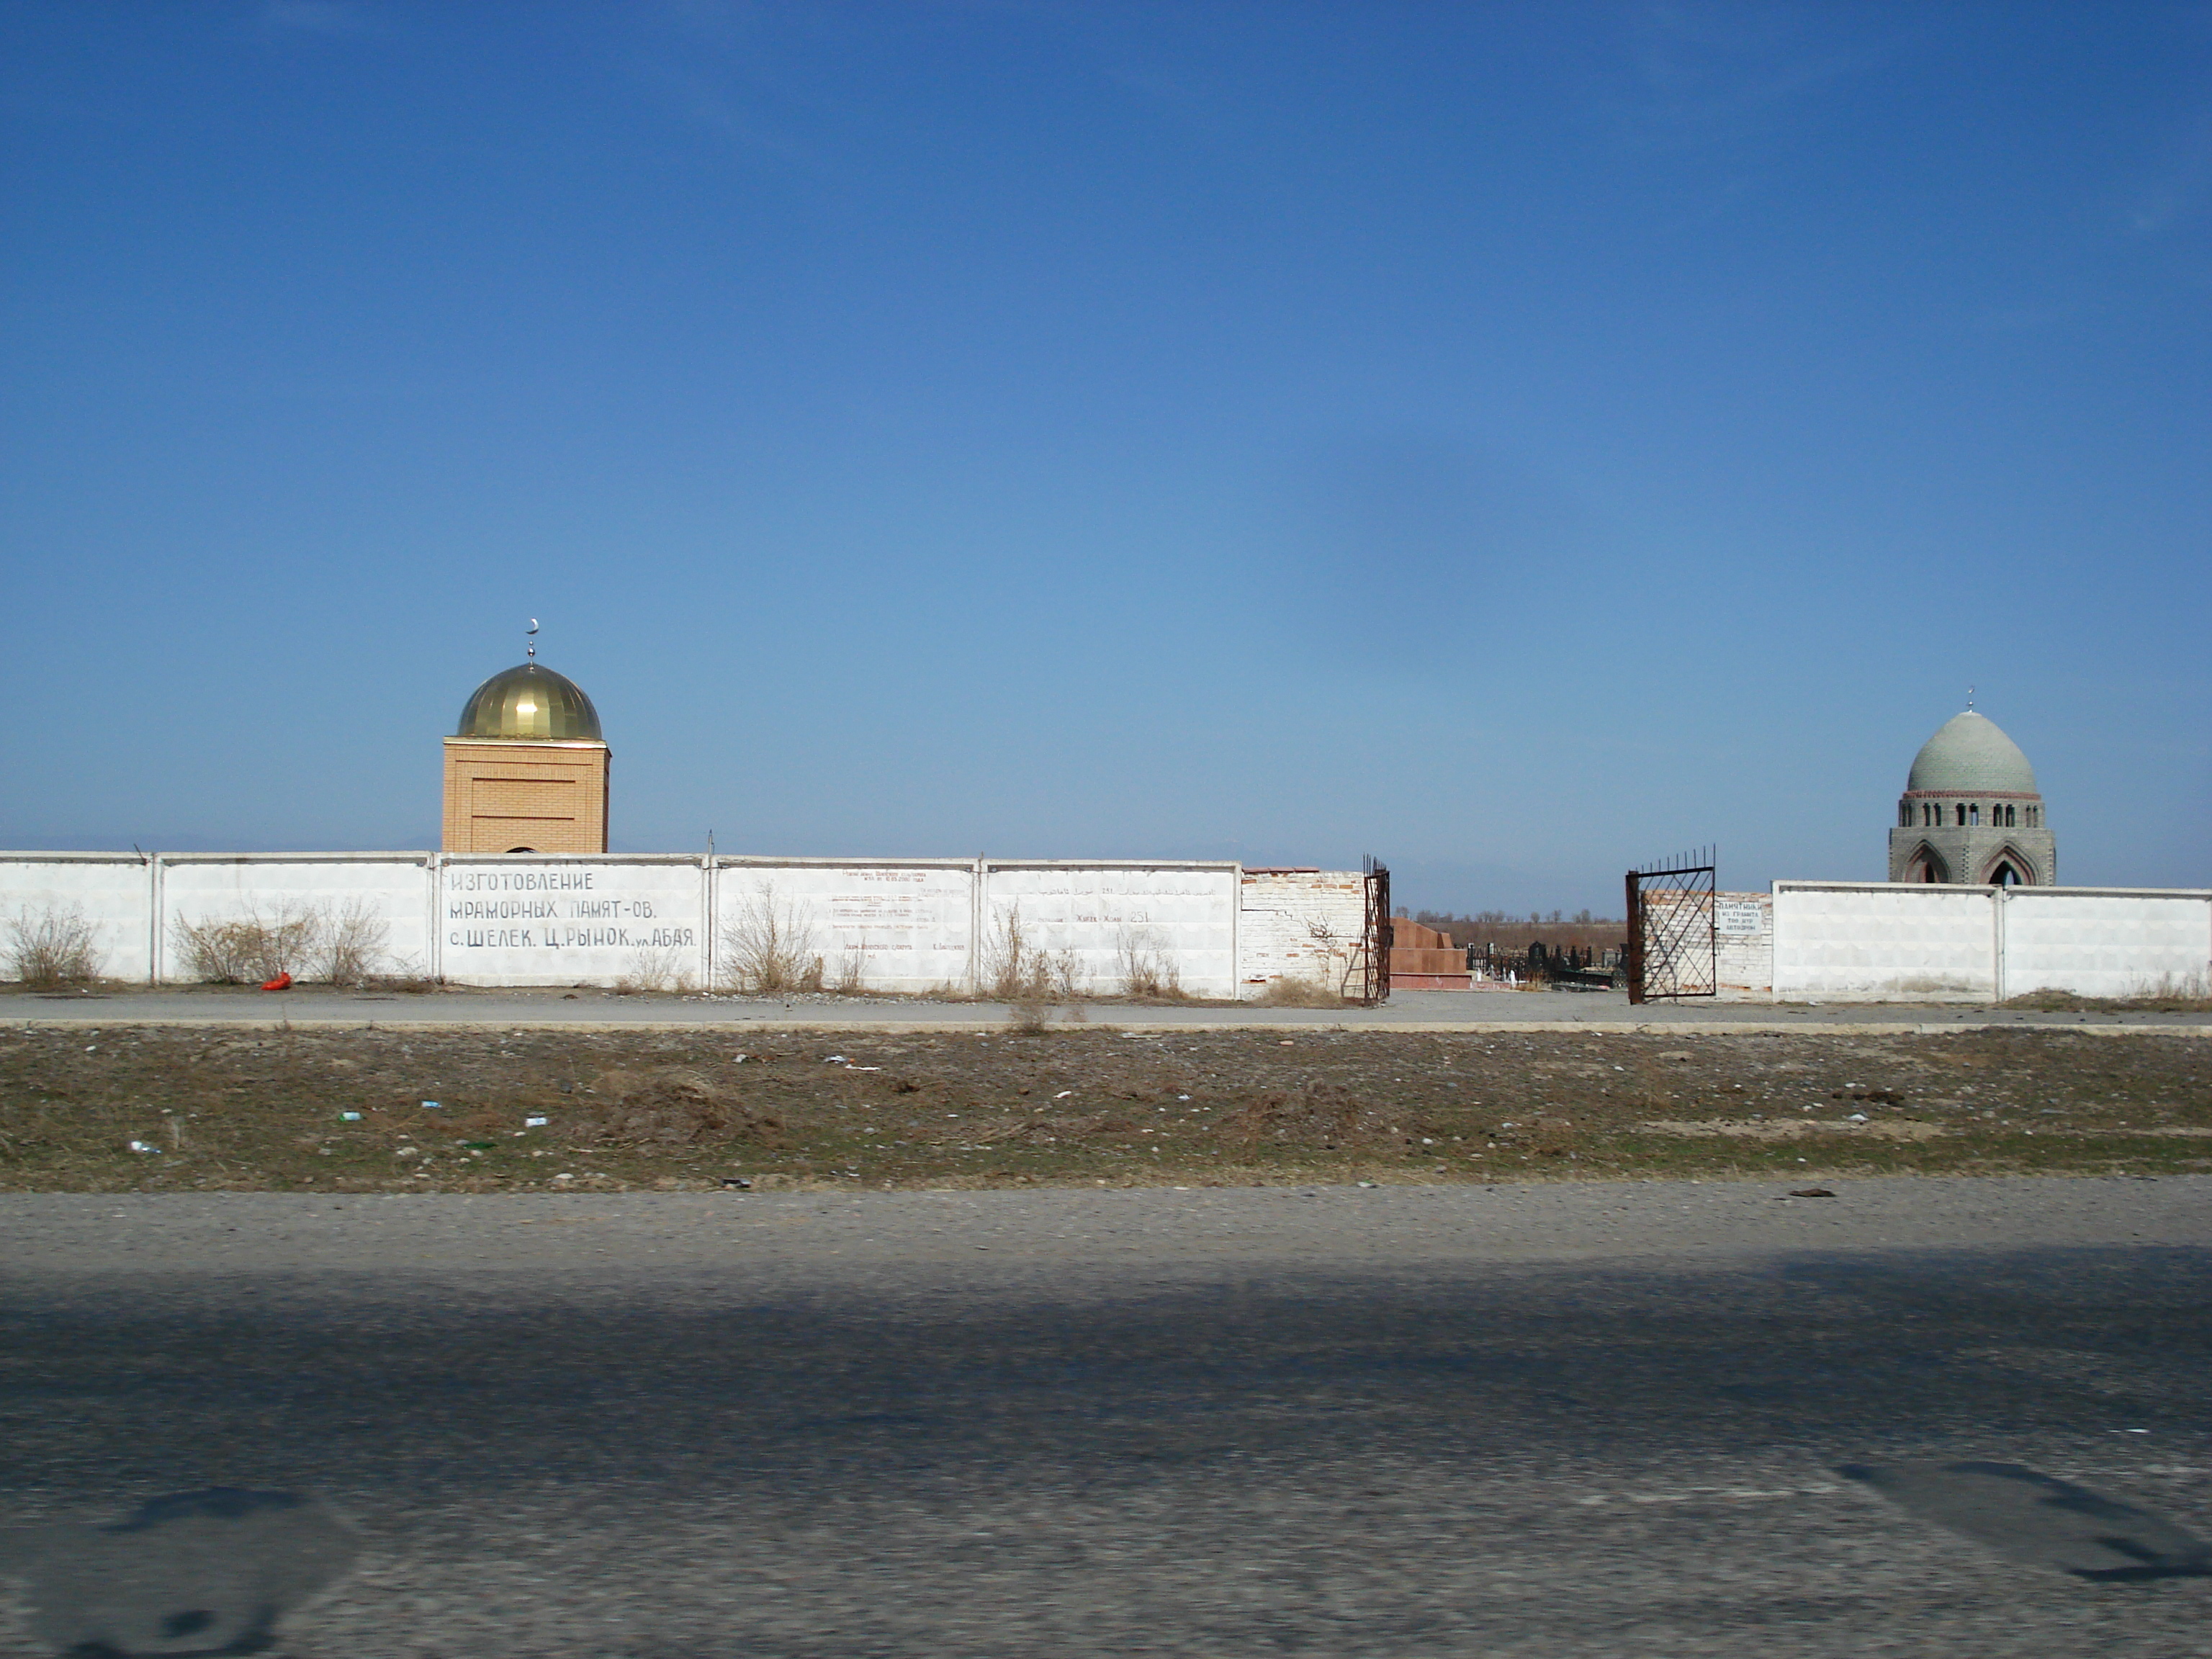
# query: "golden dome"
527, 702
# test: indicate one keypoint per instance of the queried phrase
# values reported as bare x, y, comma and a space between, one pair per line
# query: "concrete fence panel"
111, 892
904, 925
380, 902
1107, 917
575, 919
1879, 942
2104, 944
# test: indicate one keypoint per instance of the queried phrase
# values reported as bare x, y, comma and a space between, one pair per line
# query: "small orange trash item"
282, 982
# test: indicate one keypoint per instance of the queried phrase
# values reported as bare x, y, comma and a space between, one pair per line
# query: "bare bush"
1339, 956
349, 945
657, 968
53, 947
340, 945
1147, 970
852, 972
768, 947
251, 949
1014, 970
1070, 978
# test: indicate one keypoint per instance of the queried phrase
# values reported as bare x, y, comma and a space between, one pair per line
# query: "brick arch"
1925, 863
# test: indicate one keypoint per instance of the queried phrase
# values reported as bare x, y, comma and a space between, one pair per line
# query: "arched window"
2004, 875
2012, 817
1959, 811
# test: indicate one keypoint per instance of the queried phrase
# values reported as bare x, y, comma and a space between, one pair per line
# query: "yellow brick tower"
526, 772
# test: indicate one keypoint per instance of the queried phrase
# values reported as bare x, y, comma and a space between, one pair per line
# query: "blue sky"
1514, 440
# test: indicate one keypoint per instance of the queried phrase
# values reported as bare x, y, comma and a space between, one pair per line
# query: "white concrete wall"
1298, 924
2111, 944
112, 891
391, 889
897, 924
1878, 942
905, 924
1184, 915
1845, 942
598, 919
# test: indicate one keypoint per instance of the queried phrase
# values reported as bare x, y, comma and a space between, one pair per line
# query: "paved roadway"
1573, 1420
1405, 1011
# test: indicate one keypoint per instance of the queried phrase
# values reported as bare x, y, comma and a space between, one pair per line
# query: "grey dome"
529, 702
1972, 756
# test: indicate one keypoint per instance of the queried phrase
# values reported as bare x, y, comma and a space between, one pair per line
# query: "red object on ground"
282, 982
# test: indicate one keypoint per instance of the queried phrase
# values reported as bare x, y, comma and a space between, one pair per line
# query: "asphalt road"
1586, 1419
1405, 1010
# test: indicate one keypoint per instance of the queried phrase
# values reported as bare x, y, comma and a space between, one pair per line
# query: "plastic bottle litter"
533, 1123
144, 1147
348, 1117
430, 1106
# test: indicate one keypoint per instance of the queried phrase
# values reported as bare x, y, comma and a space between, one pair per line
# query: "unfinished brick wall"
1298, 924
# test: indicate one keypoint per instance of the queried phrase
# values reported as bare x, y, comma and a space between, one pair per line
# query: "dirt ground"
157, 1108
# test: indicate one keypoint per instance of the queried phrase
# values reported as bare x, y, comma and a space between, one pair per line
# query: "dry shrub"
676, 1109
1146, 971
656, 968
341, 945
349, 945
54, 947
248, 949
767, 947
1292, 993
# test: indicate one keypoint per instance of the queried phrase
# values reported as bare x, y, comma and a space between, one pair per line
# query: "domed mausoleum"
526, 769
1971, 813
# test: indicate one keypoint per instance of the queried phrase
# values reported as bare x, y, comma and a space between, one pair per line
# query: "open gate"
1375, 934
1672, 951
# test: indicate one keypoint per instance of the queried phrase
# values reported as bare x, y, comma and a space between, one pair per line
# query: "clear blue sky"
1516, 441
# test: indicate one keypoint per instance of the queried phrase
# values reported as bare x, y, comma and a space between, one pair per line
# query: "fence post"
1635, 939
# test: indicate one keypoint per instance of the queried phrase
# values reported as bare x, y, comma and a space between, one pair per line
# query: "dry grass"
1075, 1106
1289, 993
2165, 995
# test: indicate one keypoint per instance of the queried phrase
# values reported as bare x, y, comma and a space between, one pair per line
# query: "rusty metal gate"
1672, 951
1375, 935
